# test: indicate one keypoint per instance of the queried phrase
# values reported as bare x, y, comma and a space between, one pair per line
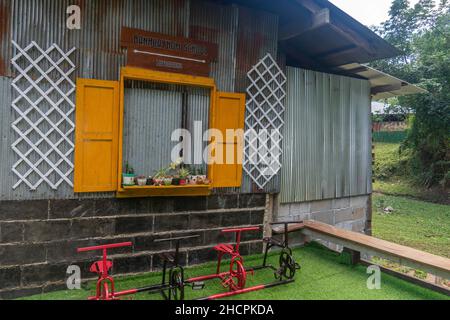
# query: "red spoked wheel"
238, 275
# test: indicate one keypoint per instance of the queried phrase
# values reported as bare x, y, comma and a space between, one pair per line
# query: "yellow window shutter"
96, 135
228, 113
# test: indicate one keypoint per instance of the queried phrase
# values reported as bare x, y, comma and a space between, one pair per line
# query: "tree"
422, 33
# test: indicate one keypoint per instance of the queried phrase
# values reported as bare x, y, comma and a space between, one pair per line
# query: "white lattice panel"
44, 109
264, 121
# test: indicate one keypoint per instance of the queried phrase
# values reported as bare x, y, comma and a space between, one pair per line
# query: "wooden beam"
302, 58
336, 52
362, 42
300, 27
309, 5
413, 258
406, 256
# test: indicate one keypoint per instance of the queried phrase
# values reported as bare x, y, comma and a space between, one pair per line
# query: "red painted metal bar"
125, 293
233, 293
247, 290
218, 276
238, 232
107, 246
208, 277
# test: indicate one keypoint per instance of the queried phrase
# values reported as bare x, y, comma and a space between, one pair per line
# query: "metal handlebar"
106, 246
176, 239
285, 222
241, 229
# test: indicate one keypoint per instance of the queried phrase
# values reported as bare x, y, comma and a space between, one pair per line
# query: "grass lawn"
323, 276
391, 179
424, 225
418, 224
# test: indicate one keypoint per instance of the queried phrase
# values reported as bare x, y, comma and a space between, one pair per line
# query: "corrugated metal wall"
217, 24
257, 36
244, 36
6, 161
151, 115
326, 150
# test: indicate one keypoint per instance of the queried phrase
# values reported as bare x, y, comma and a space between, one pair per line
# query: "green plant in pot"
158, 178
168, 181
128, 177
184, 174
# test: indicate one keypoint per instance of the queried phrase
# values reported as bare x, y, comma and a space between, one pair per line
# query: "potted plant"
192, 178
150, 181
200, 177
159, 176
128, 176
183, 174
141, 181
168, 181
201, 174
176, 180
200, 180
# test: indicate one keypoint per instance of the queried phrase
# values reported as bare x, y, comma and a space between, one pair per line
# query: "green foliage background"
422, 32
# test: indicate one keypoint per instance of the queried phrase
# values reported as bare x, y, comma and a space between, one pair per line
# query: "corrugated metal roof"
383, 85
316, 34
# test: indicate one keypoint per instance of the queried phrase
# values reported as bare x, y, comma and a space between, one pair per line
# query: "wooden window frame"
131, 73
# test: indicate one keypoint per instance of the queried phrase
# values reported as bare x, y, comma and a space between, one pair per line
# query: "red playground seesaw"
173, 289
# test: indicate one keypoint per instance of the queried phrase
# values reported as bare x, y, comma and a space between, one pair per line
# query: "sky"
368, 12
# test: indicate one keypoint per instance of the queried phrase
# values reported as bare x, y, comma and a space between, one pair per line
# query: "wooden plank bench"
406, 256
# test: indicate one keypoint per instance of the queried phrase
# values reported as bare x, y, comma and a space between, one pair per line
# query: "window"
140, 114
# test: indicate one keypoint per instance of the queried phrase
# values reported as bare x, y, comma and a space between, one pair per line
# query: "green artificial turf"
322, 277
417, 224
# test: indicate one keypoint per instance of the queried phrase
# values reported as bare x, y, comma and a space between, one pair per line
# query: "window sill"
164, 191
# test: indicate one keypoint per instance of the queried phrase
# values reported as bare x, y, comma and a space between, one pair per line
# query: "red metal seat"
97, 267
225, 248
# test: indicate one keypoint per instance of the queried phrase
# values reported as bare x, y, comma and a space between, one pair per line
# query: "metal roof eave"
383, 85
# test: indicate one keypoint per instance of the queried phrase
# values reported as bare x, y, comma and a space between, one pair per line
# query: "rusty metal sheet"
5, 37
257, 36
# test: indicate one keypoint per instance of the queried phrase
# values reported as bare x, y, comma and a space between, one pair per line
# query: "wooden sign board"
161, 52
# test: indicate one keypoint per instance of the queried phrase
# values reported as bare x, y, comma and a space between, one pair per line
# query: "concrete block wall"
350, 213
38, 239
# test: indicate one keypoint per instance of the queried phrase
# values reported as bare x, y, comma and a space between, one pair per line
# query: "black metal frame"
172, 283
286, 261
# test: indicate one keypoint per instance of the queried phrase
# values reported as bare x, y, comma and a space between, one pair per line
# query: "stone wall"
38, 239
351, 213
